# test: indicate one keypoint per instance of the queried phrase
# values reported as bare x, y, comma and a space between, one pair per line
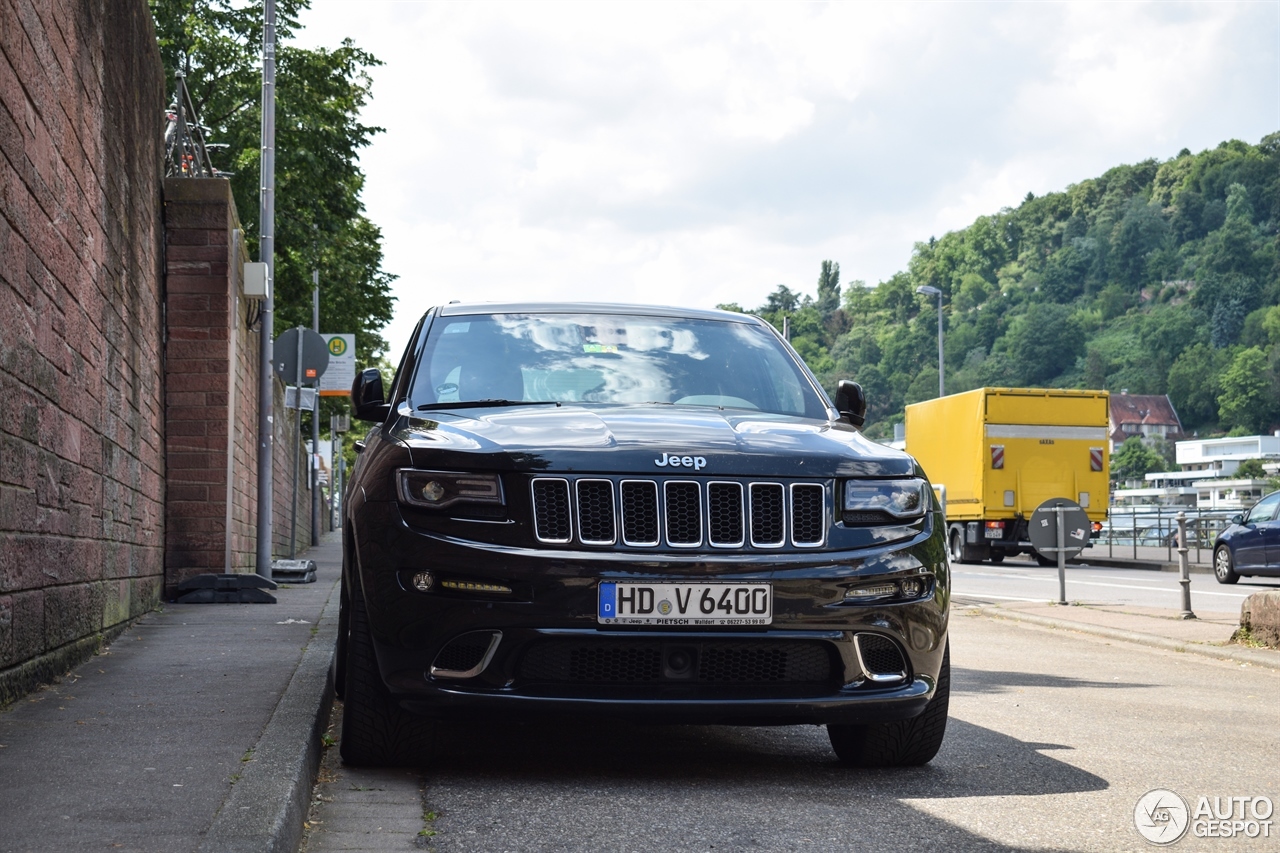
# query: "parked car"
633, 512
1251, 545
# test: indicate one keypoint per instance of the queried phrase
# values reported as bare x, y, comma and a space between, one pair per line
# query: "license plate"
685, 604
995, 533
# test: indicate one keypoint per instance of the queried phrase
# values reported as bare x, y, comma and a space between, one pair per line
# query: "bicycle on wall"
186, 149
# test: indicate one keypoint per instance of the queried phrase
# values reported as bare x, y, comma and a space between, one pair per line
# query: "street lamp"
933, 291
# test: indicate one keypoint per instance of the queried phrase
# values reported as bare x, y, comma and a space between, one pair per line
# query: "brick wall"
206, 317
211, 374
81, 420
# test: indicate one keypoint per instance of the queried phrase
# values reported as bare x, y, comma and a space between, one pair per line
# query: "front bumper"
554, 601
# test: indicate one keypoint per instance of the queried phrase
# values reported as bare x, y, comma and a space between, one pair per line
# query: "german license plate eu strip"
685, 604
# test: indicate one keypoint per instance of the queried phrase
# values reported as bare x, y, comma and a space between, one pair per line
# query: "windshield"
608, 358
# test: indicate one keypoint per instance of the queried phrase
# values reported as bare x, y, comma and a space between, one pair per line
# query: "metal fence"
1129, 528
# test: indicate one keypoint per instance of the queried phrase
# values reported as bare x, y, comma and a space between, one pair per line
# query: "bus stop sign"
1043, 527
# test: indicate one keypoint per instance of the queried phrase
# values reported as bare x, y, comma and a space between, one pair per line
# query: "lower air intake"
881, 658
646, 662
464, 656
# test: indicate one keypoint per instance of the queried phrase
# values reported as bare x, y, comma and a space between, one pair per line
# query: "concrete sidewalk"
198, 729
1209, 634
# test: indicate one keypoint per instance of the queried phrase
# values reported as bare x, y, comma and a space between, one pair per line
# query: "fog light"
423, 581
883, 590
473, 586
912, 588
432, 491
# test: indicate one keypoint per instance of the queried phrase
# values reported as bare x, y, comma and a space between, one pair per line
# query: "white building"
1229, 494
1220, 457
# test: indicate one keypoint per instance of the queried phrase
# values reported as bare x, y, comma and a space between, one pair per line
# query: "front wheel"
902, 743
1223, 567
376, 732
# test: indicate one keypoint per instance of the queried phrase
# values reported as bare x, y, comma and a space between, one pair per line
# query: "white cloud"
702, 153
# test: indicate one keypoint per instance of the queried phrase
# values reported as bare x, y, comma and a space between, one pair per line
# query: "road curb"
267, 806
1143, 565
1239, 654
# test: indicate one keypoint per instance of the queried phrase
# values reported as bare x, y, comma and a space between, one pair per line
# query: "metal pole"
1168, 545
293, 509
315, 419
1133, 520
333, 472
942, 390
266, 254
1062, 555
1184, 578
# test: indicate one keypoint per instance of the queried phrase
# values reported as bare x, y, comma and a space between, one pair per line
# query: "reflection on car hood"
636, 439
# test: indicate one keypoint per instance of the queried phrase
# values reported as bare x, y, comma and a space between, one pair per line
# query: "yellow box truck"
1001, 452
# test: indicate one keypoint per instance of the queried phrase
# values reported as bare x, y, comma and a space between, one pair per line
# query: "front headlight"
869, 501
440, 489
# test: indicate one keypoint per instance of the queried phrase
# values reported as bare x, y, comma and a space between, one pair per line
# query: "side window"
1265, 509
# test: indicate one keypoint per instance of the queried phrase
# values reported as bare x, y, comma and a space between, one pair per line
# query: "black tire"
340, 651
376, 732
1223, 566
903, 743
997, 556
1046, 561
955, 545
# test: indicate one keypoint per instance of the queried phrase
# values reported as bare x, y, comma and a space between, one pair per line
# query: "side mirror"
851, 403
367, 397
1237, 519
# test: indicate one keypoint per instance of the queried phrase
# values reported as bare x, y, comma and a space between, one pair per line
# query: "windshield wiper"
480, 404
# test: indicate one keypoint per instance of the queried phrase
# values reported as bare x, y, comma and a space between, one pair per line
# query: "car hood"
638, 439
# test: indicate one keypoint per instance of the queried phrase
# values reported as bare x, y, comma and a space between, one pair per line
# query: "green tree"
1046, 342
828, 301
1134, 460
1251, 469
320, 221
1246, 401
1195, 381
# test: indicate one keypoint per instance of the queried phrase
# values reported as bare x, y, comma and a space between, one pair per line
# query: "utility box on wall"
256, 284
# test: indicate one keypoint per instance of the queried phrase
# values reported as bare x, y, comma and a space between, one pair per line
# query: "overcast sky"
697, 153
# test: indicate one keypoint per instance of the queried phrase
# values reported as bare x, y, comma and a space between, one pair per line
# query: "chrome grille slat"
807, 503
768, 517
598, 510
640, 525
683, 516
724, 514
551, 517
595, 512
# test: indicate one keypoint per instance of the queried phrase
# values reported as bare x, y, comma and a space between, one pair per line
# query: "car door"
1271, 536
1251, 544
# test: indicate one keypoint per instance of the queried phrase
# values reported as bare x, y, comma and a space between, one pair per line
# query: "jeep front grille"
679, 513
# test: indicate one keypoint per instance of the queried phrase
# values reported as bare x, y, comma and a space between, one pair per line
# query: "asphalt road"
1016, 580
1054, 737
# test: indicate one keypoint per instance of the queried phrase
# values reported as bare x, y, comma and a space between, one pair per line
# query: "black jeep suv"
633, 512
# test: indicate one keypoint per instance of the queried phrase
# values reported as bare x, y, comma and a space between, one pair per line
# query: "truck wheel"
955, 543
1223, 569
376, 732
997, 557
902, 743
1046, 561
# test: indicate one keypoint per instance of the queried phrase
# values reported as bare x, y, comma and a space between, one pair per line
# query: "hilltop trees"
1157, 277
